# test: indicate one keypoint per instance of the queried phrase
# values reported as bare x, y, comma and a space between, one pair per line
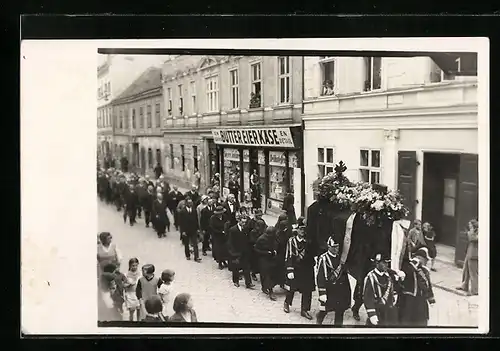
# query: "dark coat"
131, 200
158, 171
288, 206
239, 247
174, 197
159, 215
219, 238
147, 201
234, 187
266, 250
338, 291
231, 216
319, 226
195, 196
300, 262
283, 234
206, 214
256, 229
188, 222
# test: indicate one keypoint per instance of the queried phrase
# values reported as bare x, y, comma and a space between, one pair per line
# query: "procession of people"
280, 256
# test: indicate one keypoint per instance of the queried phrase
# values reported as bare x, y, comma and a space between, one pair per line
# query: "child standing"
429, 237
165, 291
131, 300
416, 237
147, 285
153, 308
120, 281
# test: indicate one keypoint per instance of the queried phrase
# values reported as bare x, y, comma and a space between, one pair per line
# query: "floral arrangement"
374, 203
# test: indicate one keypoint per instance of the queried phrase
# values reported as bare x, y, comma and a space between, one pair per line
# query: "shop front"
274, 154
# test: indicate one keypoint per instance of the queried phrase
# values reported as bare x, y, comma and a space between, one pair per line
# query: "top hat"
219, 210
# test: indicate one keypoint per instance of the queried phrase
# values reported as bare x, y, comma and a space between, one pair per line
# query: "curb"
450, 290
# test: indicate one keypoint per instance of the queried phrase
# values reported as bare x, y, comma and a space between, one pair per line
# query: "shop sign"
264, 137
232, 154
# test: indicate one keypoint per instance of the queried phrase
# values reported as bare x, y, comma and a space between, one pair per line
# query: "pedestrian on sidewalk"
188, 221
147, 286
283, 235
333, 285
430, 237
470, 277
166, 290
266, 247
299, 262
131, 301
184, 311
217, 225
417, 291
160, 218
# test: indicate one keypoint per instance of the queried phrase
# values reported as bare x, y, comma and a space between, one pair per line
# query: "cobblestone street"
217, 300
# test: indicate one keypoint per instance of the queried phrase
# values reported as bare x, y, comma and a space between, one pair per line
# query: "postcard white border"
58, 201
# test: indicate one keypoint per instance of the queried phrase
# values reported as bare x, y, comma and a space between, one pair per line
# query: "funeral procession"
287, 190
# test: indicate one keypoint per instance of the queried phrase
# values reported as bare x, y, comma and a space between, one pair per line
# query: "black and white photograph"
328, 188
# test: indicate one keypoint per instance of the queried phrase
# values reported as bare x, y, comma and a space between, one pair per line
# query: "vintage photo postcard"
318, 186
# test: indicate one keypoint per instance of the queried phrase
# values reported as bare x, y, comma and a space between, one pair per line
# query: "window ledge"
233, 111
283, 106
211, 113
255, 109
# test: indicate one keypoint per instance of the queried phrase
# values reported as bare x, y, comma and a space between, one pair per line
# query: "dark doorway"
440, 190
254, 164
143, 159
135, 154
213, 159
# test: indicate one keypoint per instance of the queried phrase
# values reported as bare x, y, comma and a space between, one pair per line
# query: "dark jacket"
131, 200
206, 214
188, 221
239, 247
231, 216
300, 262
174, 197
234, 187
159, 214
194, 196
219, 238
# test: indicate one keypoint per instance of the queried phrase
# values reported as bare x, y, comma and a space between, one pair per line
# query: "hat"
301, 222
331, 242
204, 197
422, 252
219, 210
379, 257
258, 212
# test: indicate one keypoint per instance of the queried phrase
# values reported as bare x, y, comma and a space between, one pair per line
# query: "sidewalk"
447, 276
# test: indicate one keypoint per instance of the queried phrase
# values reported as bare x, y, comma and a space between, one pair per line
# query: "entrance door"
143, 159
135, 154
439, 206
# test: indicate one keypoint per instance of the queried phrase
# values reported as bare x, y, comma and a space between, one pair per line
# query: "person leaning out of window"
470, 270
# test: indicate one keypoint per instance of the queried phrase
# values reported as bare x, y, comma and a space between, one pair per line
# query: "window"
327, 66
450, 194
141, 117
192, 88
126, 122
325, 161
158, 115
148, 111
212, 94
172, 156
133, 119
373, 80
195, 157
284, 79
234, 86
181, 100
438, 75
183, 159
121, 119
369, 168
150, 158
255, 97
169, 95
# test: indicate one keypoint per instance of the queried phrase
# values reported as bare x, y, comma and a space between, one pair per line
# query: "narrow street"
217, 300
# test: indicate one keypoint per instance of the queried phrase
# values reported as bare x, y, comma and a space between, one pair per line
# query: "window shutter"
407, 173
467, 208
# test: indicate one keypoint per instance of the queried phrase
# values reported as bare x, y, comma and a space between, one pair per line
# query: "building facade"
231, 115
400, 122
115, 73
138, 114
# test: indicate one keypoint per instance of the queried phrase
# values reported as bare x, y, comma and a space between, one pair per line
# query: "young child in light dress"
166, 291
131, 301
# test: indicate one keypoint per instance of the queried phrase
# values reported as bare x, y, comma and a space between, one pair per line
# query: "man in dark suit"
188, 219
131, 203
174, 197
240, 250
194, 195
206, 214
232, 207
234, 186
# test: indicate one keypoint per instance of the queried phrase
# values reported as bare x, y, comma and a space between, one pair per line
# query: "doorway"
135, 154
440, 190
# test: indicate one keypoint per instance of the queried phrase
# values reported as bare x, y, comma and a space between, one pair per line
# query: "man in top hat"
217, 225
417, 291
380, 291
205, 215
299, 262
333, 284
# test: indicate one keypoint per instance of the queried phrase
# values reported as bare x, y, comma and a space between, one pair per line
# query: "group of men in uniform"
280, 254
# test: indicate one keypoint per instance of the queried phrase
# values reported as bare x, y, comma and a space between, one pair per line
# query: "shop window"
212, 90
255, 96
231, 164
181, 100
326, 162
277, 174
234, 86
133, 119
192, 88
373, 79
148, 111
172, 165
284, 77
195, 157
150, 158
369, 167
158, 115
293, 164
327, 66
183, 159
141, 117
169, 95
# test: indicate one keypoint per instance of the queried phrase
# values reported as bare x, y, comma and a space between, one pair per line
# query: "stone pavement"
215, 297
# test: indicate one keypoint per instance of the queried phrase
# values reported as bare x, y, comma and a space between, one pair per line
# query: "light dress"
131, 300
166, 293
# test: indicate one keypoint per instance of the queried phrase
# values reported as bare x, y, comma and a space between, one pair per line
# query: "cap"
331, 242
379, 257
219, 210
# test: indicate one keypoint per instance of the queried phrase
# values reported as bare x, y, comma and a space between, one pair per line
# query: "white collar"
381, 273
300, 239
240, 227
329, 253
